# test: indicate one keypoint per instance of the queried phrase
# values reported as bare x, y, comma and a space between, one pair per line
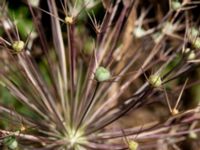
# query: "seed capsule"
193, 35
193, 135
176, 5
193, 32
169, 28
18, 46
191, 55
102, 74
132, 145
155, 80
196, 43
69, 20
139, 32
175, 112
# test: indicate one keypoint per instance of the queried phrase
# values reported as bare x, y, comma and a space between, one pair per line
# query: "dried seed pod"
102, 74
18, 46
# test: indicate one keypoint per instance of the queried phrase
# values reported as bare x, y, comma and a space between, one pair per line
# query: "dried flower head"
74, 94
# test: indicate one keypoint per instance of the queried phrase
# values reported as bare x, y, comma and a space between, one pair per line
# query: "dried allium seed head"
67, 109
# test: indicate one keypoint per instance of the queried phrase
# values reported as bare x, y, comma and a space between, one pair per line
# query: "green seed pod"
89, 46
18, 46
185, 51
176, 5
11, 142
34, 3
2, 83
193, 35
155, 80
132, 145
69, 20
193, 135
196, 43
191, 55
169, 28
139, 32
193, 32
102, 74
